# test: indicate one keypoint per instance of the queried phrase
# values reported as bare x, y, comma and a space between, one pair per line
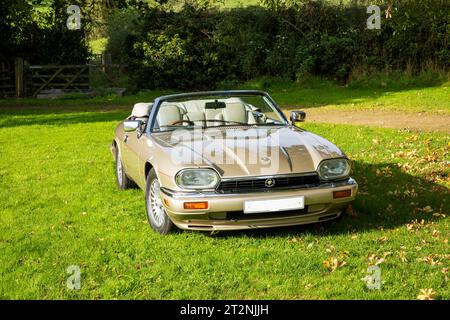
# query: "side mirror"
131, 125
298, 116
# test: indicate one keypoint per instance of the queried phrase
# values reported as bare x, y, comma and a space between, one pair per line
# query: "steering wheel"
183, 121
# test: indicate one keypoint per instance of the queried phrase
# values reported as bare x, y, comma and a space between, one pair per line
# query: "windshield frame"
228, 93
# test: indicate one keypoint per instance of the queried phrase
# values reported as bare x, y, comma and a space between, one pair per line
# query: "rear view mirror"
215, 105
131, 125
298, 116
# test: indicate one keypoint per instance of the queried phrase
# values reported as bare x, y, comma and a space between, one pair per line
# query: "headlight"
197, 179
334, 169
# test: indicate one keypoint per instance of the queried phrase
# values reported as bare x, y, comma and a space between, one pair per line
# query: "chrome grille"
259, 183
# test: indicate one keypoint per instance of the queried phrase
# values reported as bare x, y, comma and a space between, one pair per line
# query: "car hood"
247, 151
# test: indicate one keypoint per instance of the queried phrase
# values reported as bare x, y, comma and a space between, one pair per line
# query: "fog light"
196, 205
342, 194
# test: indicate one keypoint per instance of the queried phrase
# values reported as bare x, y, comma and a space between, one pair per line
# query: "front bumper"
225, 211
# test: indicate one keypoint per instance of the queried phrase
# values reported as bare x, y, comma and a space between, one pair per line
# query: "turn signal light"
342, 194
196, 205
166, 202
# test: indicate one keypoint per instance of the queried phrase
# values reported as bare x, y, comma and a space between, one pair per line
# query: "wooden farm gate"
63, 77
7, 87
22, 79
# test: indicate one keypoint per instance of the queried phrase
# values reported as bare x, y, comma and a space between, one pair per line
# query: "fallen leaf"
440, 215
431, 259
445, 272
332, 263
330, 249
435, 233
295, 240
426, 294
374, 260
402, 256
309, 286
427, 209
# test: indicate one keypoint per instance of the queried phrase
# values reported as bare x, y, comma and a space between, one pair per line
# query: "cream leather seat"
236, 111
169, 114
197, 117
214, 114
141, 111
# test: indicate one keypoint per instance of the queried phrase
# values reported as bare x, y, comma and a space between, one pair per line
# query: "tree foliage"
42, 36
200, 46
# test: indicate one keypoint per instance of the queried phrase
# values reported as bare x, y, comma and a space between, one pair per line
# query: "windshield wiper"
272, 124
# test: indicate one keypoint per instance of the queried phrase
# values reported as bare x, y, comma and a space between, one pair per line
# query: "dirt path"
387, 119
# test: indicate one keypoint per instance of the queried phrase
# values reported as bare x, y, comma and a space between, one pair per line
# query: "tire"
157, 216
122, 180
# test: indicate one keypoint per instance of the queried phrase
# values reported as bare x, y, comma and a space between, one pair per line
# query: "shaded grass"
60, 207
409, 96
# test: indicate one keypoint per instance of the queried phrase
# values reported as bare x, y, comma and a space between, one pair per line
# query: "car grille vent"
262, 184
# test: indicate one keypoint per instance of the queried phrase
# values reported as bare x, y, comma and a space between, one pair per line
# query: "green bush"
121, 24
201, 46
42, 39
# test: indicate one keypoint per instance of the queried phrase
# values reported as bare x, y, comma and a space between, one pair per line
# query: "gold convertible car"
229, 160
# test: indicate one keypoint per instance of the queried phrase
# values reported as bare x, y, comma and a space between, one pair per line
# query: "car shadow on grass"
388, 198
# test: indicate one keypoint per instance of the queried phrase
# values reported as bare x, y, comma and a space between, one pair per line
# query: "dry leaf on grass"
402, 256
415, 225
295, 240
435, 233
426, 294
332, 263
374, 260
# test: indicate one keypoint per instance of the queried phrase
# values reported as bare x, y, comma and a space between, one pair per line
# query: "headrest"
141, 110
233, 100
168, 115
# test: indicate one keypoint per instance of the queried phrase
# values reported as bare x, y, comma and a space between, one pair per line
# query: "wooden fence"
7, 86
31, 80
67, 77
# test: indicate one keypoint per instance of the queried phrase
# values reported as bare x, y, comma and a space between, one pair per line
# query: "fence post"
19, 80
106, 61
91, 73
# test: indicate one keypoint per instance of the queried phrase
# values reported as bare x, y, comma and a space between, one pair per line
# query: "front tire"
156, 214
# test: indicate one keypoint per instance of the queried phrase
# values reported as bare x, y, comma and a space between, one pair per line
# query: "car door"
130, 154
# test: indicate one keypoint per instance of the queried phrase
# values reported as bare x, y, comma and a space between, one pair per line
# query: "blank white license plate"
274, 205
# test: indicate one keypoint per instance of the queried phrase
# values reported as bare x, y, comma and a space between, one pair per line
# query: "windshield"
217, 111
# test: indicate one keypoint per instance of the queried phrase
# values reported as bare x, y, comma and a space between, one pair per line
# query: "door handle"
125, 138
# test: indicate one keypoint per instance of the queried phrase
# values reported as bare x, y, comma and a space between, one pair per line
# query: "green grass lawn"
390, 96
60, 207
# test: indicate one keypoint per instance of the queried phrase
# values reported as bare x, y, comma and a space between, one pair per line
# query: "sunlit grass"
60, 207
